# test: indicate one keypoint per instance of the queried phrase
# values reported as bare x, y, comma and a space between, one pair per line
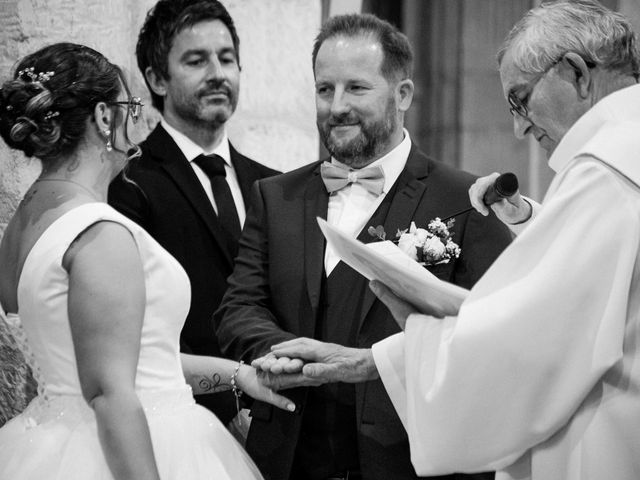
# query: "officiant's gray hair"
600, 36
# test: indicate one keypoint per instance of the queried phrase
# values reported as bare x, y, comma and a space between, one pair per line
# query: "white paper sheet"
385, 262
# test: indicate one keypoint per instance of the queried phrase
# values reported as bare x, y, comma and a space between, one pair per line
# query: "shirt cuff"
517, 228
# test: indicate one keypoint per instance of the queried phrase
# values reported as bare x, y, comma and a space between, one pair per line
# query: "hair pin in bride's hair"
50, 115
39, 77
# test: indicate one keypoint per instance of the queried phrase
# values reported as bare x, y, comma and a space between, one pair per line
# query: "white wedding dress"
56, 436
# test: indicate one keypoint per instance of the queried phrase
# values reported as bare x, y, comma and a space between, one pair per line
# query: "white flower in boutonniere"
431, 246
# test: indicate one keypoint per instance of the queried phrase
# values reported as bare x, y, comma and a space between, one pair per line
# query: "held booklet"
385, 262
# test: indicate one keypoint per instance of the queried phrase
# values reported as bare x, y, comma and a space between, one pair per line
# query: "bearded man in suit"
286, 284
190, 187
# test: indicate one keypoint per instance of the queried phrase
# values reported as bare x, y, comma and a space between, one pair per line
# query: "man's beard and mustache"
208, 112
367, 146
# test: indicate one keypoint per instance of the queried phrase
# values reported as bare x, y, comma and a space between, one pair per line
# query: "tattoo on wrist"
213, 384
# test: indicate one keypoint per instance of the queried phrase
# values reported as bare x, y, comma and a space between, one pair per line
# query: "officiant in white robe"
538, 376
542, 365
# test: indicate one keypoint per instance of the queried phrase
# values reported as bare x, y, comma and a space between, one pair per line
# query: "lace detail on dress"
16, 384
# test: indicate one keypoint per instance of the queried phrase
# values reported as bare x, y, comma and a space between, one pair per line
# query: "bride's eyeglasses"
134, 107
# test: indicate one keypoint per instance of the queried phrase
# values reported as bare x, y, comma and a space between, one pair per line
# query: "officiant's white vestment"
538, 376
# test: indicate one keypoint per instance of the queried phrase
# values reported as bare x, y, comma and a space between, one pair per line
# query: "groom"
286, 284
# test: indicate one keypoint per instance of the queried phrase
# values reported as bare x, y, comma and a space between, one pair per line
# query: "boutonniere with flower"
430, 246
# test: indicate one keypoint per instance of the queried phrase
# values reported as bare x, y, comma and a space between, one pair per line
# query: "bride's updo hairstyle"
44, 108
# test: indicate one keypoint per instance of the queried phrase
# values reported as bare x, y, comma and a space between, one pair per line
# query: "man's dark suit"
168, 200
275, 295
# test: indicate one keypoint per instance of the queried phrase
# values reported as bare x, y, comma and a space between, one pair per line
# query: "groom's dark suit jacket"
168, 200
276, 288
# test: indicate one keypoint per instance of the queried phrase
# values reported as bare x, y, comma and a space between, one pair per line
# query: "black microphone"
506, 185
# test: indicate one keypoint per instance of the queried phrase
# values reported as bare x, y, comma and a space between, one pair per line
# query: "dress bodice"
42, 324
57, 436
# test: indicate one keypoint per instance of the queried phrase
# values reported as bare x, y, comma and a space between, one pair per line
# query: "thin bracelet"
234, 385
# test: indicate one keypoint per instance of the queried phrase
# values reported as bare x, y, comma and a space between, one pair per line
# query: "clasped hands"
307, 362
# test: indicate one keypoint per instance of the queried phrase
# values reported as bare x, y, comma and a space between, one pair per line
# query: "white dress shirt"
538, 376
351, 207
191, 151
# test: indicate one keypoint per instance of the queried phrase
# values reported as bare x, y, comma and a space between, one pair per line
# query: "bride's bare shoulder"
35, 213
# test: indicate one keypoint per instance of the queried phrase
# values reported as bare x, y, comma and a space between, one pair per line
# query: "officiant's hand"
329, 362
511, 210
398, 307
284, 381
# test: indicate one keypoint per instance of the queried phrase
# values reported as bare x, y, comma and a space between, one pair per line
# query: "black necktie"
213, 166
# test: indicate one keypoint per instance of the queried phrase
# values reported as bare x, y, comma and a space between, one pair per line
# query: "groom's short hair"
397, 62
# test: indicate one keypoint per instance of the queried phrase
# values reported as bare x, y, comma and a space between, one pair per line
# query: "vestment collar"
609, 131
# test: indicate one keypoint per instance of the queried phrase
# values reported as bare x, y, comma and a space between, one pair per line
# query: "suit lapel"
246, 175
316, 201
172, 160
406, 195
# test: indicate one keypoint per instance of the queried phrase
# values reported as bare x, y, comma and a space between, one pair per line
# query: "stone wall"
275, 120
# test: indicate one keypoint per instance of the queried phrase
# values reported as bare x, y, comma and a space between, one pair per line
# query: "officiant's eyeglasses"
134, 107
519, 104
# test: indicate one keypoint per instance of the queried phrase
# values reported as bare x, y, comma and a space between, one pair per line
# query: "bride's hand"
262, 386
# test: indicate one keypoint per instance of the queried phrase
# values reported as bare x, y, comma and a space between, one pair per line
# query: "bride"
96, 303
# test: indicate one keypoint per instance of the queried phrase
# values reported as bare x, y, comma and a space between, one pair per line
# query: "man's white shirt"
351, 207
191, 151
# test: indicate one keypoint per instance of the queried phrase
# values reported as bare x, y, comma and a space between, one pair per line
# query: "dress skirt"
56, 438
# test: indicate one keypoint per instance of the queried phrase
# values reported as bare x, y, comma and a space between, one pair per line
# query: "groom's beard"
368, 144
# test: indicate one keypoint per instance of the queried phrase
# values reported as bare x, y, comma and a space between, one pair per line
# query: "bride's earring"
108, 146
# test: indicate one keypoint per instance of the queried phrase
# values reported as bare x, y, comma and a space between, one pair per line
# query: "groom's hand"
329, 362
277, 365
